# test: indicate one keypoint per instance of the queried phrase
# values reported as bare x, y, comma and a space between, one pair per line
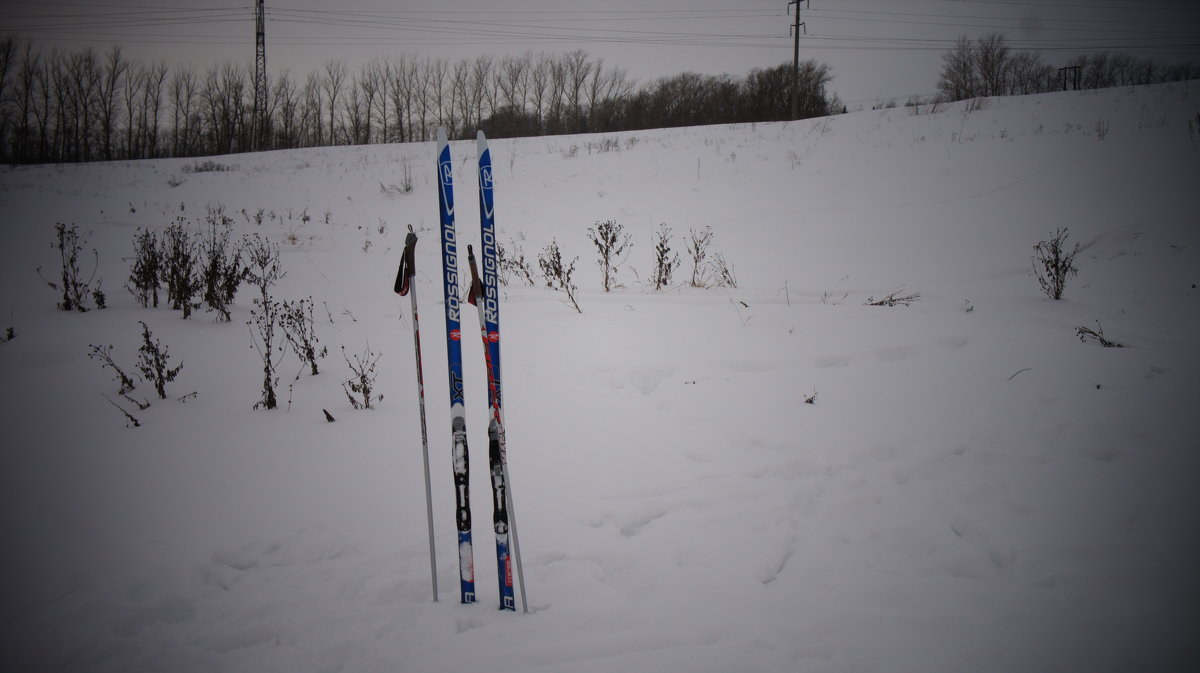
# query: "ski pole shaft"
512, 529
404, 286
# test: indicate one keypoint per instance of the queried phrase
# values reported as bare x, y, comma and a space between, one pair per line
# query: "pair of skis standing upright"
484, 295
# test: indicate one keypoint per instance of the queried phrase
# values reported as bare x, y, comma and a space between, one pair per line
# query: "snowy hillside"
973, 487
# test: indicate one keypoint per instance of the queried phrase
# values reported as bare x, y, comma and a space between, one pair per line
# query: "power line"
145, 24
867, 15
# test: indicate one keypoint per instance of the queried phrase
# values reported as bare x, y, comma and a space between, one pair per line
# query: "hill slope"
974, 488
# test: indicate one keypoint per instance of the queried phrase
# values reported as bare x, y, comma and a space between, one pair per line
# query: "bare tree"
312, 126
814, 78
1027, 74
460, 94
539, 86
135, 77
579, 69
82, 85
1097, 71
424, 100
332, 84
958, 78
152, 89
114, 69
374, 86
436, 90
484, 93
400, 88
992, 64
513, 80
43, 106
225, 108
604, 86
183, 100
8, 54
287, 119
556, 94
24, 147
357, 116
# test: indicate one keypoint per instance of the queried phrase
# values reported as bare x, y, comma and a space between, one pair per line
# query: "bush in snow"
152, 363
147, 271
558, 275
264, 318
1053, 264
262, 262
180, 254
223, 269
512, 261
76, 292
363, 379
103, 354
723, 272
697, 247
298, 328
611, 244
665, 261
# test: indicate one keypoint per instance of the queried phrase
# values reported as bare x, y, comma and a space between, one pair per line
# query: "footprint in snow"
647, 379
833, 362
895, 353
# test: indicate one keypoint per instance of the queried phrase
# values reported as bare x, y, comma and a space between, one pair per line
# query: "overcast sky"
878, 49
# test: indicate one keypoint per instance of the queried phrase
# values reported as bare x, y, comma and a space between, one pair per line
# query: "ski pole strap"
407, 269
476, 284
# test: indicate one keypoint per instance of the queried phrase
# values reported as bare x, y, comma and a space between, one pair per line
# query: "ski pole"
404, 278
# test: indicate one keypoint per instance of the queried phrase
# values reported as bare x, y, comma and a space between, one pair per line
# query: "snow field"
973, 488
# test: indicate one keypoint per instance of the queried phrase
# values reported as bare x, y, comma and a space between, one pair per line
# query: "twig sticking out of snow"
1097, 335
893, 299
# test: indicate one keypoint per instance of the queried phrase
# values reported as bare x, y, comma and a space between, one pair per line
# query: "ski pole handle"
407, 269
476, 293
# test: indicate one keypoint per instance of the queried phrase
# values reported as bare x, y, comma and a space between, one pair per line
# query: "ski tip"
441, 136
481, 142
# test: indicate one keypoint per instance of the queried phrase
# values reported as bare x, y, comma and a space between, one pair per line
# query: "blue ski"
485, 294
458, 420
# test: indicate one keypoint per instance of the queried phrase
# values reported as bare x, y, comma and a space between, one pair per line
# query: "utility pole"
1075, 76
260, 133
796, 26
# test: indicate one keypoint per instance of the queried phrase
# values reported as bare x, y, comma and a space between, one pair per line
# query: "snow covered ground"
974, 488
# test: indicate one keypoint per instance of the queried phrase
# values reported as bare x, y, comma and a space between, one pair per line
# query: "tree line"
84, 105
989, 67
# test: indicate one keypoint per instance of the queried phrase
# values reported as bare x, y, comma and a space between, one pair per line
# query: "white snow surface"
974, 488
